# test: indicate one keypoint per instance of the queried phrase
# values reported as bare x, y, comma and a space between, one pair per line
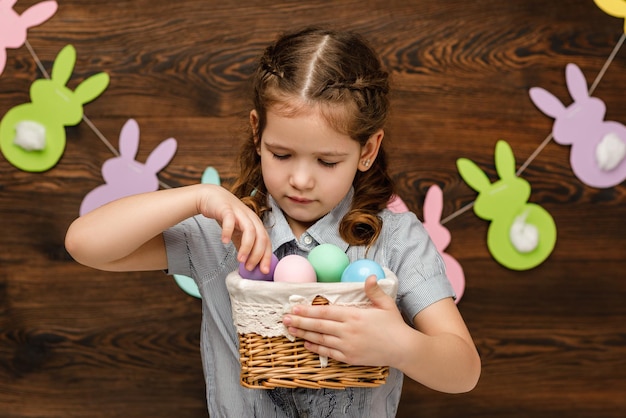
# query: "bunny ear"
129, 139
91, 88
210, 176
505, 160
546, 102
162, 155
3, 59
433, 205
38, 13
472, 174
396, 204
64, 65
576, 82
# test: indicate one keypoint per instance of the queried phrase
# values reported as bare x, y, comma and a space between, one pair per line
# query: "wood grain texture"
76, 342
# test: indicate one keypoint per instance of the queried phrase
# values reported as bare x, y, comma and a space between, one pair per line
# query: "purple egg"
256, 273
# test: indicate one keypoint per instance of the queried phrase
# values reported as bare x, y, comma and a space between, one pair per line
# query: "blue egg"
360, 270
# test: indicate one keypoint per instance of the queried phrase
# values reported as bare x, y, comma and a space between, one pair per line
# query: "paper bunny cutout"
53, 107
616, 8
433, 207
397, 205
124, 176
13, 27
521, 235
210, 176
598, 153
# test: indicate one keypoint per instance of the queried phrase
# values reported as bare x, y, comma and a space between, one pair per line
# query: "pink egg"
294, 269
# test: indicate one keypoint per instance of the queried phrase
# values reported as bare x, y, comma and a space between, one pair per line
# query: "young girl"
313, 171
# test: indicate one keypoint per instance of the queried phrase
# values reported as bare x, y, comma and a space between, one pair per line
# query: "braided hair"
341, 73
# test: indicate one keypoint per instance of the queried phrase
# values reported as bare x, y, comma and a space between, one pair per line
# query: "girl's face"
307, 166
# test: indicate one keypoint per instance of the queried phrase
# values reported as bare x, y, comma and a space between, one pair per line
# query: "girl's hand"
240, 225
351, 335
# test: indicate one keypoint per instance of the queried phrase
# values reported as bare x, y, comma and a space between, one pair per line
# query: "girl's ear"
254, 124
369, 151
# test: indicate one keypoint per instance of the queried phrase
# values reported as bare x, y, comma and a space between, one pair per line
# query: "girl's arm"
126, 234
438, 352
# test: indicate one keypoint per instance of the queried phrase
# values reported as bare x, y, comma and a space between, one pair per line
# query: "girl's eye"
327, 164
280, 157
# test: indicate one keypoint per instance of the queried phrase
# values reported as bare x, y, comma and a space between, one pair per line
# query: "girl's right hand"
239, 224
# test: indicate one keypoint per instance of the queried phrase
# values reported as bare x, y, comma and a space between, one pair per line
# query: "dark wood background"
75, 342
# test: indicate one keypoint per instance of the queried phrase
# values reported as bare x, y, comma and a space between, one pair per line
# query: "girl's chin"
301, 221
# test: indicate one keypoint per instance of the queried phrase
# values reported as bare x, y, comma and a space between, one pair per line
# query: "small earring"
366, 163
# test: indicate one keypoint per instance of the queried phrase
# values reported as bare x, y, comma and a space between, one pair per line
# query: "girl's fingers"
255, 245
312, 324
228, 227
258, 253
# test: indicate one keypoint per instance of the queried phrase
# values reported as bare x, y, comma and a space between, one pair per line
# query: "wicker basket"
269, 360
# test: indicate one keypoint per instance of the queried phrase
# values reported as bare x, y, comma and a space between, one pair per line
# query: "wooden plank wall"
75, 342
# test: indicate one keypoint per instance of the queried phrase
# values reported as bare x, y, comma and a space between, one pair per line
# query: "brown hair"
341, 74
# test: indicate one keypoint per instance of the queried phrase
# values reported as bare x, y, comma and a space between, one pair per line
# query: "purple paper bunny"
124, 176
598, 154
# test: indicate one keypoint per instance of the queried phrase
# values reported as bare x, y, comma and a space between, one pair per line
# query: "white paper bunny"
124, 176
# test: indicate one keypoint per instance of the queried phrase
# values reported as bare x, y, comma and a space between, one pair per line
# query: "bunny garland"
598, 152
123, 175
521, 235
13, 27
32, 135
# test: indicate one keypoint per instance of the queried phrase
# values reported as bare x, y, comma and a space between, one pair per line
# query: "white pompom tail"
610, 152
30, 135
523, 236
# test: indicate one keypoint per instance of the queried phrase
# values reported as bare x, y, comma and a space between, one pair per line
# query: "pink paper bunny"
124, 176
397, 205
13, 27
433, 207
598, 147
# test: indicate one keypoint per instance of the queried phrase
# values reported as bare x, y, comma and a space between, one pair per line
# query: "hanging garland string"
447, 219
549, 138
89, 123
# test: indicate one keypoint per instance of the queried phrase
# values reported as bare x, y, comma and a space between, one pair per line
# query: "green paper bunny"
53, 106
521, 234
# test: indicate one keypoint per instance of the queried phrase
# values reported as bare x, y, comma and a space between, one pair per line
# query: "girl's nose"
301, 177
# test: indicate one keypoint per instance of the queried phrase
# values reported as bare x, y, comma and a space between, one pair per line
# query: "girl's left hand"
348, 334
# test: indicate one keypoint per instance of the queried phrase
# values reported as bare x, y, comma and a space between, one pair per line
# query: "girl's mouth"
300, 200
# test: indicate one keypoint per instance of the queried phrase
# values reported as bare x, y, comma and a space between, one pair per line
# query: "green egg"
329, 262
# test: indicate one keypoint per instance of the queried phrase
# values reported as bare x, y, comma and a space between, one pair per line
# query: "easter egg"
294, 269
329, 262
360, 270
256, 273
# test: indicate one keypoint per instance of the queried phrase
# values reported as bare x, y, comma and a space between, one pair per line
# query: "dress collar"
324, 231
